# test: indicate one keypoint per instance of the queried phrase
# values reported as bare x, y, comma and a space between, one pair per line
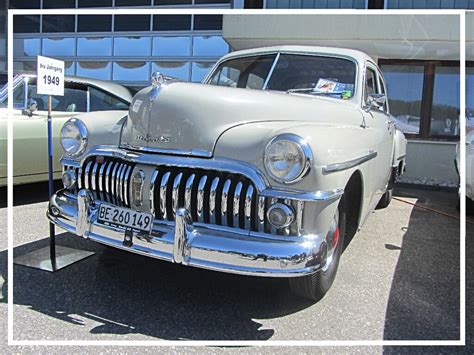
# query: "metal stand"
57, 257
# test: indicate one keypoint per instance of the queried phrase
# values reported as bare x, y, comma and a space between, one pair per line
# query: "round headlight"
74, 137
287, 158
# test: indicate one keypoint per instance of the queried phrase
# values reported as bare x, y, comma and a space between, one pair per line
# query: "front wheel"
316, 285
386, 199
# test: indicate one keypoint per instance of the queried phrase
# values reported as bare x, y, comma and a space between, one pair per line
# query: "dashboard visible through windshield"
296, 73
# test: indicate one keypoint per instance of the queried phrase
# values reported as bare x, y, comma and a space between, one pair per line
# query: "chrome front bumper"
194, 244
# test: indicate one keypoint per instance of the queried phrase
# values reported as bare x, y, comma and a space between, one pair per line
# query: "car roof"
344, 52
116, 89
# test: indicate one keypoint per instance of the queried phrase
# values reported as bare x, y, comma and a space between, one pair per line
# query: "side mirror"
32, 105
30, 108
375, 101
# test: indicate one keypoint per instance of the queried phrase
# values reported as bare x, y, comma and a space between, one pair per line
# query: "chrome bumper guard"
194, 244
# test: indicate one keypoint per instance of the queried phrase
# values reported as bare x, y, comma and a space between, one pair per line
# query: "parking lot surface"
398, 280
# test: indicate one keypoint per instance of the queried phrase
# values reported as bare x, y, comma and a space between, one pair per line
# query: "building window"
171, 2
58, 23
132, 3
94, 23
132, 23
62, 4
315, 4
132, 46
26, 24
59, 47
207, 22
209, 46
405, 88
446, 103
95, 70
94, 46
94, 3
24, 47
424, 97
25, 4
131, 71
200, 70
429, 4
171, 22
171, 46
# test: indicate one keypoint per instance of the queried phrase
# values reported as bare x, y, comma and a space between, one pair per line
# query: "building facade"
122, 48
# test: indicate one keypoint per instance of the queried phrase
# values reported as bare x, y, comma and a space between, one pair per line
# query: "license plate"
126, 218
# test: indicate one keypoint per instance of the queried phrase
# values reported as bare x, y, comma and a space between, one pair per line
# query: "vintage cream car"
30, 145
263, 169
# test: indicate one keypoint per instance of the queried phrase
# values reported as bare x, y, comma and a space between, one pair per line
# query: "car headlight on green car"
287, 158
74, 137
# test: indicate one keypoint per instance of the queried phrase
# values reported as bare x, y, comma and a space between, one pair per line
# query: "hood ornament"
157, 79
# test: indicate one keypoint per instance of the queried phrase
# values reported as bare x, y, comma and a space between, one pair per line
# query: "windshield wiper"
312, 92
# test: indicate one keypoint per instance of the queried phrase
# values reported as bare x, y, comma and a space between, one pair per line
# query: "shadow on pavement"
28, 193
424, 297
133, 294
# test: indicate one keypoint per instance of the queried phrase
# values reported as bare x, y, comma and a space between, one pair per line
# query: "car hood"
188, 119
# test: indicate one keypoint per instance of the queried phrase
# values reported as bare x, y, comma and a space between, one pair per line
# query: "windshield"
306, 74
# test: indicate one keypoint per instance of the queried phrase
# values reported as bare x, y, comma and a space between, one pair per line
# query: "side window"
370, 83
74, 100
18, 96
383, 91
102, 101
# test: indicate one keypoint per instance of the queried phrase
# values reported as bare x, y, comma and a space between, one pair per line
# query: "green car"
30, 147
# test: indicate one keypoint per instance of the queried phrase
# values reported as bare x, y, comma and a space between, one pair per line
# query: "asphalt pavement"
398, 280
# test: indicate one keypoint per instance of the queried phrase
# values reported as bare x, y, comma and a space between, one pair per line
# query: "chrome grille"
107, 178
211, 197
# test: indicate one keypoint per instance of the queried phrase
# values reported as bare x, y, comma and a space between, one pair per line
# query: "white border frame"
134, 11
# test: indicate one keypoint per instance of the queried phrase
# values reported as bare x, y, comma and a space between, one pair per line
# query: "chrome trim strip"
212, 200
217, 164
119, 181
302, 195
236, 205
163, 187
101, 176
299, 217
200, 198
261, 214
79, 178
331, 168
193, 152
248, 207
125, 188
151, 195
224, 200
86, 175
175, 192
107, 179
188, 192
70, 162
93, 176
114, 180
122, 175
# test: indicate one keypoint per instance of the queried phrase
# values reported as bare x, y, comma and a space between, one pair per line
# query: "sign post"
50, 82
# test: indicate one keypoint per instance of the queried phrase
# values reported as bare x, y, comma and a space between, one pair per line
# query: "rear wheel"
316, 285
387, 196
